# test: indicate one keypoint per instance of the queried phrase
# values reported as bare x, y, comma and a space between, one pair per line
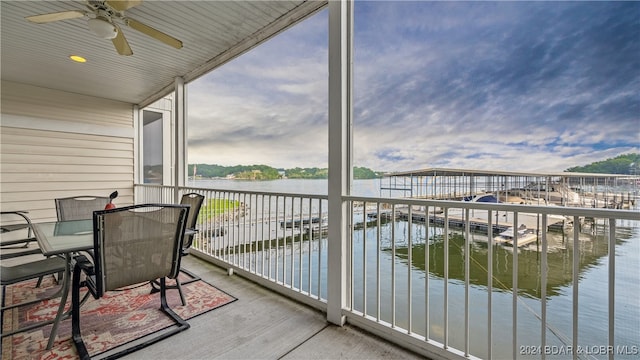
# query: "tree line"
627, 164
264, 172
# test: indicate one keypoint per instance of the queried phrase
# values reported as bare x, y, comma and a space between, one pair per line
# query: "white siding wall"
58, 144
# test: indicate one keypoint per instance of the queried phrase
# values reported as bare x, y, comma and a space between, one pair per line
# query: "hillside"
628, 164
264, 172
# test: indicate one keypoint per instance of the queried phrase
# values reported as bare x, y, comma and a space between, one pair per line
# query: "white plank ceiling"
212, 32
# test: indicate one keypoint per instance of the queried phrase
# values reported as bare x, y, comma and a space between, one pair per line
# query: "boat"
525, 236
487, 198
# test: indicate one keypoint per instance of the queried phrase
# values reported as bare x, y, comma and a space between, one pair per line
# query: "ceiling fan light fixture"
103, 28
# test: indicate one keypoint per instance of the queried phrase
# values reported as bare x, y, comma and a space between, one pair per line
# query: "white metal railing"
272, 238
429, 275
395, 284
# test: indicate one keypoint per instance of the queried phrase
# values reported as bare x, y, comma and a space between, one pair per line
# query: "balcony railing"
435, 276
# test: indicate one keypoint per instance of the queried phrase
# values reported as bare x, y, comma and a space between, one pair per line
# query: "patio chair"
82, 207
15, 227
132, 245
26, 271
194, 200
79, 207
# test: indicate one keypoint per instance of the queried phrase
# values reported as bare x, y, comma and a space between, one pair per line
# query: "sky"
516, 86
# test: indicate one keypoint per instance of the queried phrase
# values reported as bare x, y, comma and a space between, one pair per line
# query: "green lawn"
215, 207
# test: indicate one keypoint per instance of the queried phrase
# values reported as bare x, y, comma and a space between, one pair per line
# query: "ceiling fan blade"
121, 44
121, 5
159, 35
57, 16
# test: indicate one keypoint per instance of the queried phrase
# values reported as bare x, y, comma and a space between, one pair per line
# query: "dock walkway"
246, 231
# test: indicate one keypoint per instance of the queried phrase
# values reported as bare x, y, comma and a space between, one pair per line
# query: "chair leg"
155, 287
183, 324
179, 287
54, 278
180, 322
75, 316
75, 320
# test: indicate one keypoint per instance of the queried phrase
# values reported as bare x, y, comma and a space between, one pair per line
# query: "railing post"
340, 105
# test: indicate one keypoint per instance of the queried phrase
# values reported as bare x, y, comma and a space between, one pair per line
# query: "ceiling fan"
101, 19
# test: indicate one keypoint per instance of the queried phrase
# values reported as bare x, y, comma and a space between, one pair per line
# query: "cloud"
484, 85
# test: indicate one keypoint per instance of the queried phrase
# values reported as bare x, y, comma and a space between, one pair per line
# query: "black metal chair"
132, 245
194, 200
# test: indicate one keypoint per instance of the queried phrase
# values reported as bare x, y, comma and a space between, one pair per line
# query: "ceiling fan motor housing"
101, 25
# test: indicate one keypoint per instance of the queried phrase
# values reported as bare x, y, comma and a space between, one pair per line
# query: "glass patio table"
63, 238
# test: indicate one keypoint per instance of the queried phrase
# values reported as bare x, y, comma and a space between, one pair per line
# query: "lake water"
592, 299
296, 186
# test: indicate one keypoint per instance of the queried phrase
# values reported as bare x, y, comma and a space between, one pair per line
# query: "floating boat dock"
612, 191
478, 224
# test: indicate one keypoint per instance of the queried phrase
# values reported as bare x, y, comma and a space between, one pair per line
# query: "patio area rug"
118, 318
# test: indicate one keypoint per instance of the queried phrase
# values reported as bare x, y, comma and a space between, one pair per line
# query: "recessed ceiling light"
77, 58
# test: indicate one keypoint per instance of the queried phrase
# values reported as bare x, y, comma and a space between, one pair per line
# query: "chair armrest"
7, 243
12, 227
5, 228
83, 264
17, 212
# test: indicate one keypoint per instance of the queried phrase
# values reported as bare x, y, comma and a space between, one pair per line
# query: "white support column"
340, 153
137, 146
138, 170
180, 136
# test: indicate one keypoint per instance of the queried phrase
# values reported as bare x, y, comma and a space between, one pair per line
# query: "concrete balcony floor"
262, 324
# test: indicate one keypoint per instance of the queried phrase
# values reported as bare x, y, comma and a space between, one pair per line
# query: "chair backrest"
79, 207
194, 200
137, 243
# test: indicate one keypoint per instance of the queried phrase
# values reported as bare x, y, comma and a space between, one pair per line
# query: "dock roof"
470, 172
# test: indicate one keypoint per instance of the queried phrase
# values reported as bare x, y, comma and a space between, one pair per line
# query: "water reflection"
593, 248
383, 286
